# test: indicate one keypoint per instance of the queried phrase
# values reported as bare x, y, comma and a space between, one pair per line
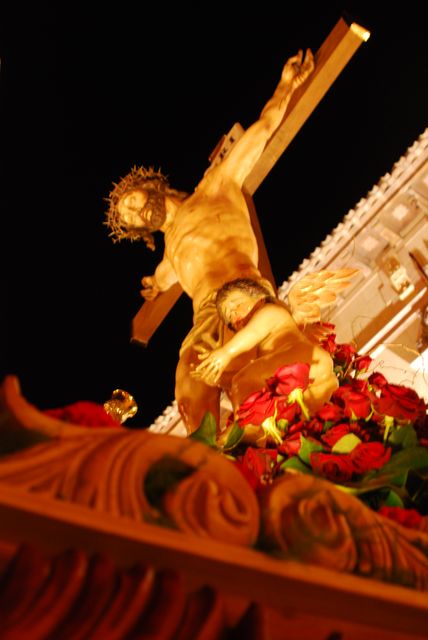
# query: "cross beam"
332, 57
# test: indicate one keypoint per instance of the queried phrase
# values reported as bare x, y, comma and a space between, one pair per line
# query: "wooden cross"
333, 55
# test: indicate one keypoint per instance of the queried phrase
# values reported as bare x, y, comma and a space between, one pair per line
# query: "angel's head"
239, 299
138, 205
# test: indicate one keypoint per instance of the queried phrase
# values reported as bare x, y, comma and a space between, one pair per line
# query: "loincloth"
206, 322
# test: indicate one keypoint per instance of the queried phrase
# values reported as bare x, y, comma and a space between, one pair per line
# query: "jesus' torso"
210, 240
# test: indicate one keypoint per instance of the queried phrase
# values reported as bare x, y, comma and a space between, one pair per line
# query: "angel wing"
315, 291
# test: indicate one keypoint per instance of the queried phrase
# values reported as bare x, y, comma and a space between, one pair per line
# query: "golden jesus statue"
239, 324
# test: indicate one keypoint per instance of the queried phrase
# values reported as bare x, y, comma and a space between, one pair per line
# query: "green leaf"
374, 499
327, 425
403, 436
365, 486
395, 472
295, 463
307, 447
380, 479
233, 437
373, 481
382, 496
409, 458
163, 476
207, 431
417, 489
398, 479
393, 500
346, 443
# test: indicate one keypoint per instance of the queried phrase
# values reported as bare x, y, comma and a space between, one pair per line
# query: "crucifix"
333, 55
214, 250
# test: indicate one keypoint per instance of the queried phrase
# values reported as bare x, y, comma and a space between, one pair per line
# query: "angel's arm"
269, 318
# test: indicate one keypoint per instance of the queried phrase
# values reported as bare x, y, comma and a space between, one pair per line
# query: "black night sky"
89, 91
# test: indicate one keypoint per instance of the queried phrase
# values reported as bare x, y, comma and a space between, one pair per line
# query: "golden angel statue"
270, 335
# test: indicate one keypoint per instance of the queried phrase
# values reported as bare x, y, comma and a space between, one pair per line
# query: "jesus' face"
142, 208
131, 208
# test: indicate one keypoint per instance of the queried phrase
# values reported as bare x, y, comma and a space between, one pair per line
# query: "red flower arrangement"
370, 439
84, 413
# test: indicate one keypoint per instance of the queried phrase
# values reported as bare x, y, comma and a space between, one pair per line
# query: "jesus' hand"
298, 68
150, 290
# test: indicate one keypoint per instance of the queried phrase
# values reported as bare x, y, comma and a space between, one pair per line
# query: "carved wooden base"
323, 561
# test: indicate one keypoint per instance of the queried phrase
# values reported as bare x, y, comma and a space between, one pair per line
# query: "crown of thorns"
137, 178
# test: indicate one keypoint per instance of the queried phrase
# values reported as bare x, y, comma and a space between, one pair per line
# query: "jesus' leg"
194, 398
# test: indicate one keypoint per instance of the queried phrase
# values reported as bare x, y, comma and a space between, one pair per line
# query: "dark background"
88, 92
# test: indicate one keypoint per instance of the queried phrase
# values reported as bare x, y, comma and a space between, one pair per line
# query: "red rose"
287, 411
258, 465
290, 377
330, 412
329, 344
290, 445
84, 413
315, 426
399, 402
327, 326
333, 466
378, 380
331, 436
354, 403
368, 456
362, 363
297, 427
360, 385
248, 474
406, 517
344, 354
256, 408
